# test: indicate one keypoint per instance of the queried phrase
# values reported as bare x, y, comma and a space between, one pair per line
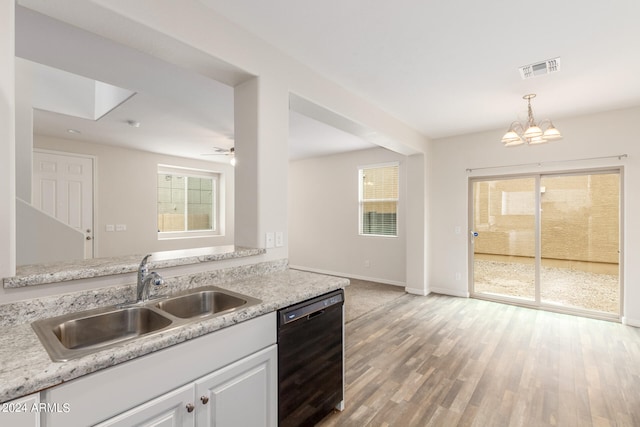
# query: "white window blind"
379, 190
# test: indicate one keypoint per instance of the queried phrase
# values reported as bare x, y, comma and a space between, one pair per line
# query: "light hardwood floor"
446, 361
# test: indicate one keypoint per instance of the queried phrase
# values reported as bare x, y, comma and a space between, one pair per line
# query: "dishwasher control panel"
310, 307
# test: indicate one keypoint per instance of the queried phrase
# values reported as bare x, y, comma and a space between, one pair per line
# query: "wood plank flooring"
446, 361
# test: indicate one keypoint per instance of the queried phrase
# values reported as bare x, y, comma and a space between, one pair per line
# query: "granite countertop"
39, 274
25, 366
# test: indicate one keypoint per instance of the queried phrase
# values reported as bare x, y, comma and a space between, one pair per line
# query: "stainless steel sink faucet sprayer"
145, 279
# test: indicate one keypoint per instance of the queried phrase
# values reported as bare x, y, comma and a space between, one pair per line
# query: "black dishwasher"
310, 360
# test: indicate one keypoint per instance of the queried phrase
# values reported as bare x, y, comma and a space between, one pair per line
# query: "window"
188, 202
379, 200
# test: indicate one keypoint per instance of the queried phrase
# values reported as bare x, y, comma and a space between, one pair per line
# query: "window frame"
217, 222
362, 201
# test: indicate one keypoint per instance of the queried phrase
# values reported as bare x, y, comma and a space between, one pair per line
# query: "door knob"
204, 400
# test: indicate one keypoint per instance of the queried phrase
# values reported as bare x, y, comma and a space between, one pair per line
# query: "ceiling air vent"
540, 68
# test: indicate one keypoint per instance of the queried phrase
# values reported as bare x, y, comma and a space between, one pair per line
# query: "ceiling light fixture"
133, 123
531, 133
232, 160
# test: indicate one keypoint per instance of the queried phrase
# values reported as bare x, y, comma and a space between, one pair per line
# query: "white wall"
417, 231
323, 219
7, 140
598, 135
24, 130
126, 193
62, 243
261, 112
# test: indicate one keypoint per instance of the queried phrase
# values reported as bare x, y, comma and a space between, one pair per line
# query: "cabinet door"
22, 412
241, 394
174, 409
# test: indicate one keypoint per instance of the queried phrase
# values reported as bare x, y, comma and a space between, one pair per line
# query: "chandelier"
531, 133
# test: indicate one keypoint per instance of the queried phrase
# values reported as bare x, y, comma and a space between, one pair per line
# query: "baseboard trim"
447, 291
347, 275
418, 291
630, 322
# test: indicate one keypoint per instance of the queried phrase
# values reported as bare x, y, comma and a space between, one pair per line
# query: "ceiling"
179, 112
443, 67
449, 67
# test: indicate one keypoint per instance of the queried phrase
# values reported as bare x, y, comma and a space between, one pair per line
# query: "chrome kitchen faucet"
145, 279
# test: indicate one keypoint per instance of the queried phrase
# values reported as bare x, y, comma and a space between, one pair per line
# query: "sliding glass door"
580, 224
504, 227
548, 240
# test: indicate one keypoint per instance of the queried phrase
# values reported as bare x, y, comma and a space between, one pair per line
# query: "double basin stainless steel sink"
75, 335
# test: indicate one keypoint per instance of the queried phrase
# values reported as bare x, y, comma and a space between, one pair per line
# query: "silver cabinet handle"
204, 400
190, 407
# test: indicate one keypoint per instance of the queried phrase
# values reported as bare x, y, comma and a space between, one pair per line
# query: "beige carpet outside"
362, 297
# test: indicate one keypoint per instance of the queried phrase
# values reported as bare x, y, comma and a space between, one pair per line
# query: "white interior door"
63, 188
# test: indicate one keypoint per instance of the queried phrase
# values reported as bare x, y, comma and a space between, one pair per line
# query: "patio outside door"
504, 246
549, 241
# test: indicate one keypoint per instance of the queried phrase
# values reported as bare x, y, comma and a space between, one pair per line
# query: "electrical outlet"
458, 276
121, 227
109, 227
279, 239
367, 263
269, 240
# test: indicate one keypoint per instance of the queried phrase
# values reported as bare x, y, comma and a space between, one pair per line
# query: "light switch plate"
269, 240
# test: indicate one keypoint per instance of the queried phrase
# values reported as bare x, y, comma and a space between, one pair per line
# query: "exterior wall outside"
586, 208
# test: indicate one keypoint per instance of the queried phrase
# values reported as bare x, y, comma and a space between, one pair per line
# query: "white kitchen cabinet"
22, 412
170, 410
241, 394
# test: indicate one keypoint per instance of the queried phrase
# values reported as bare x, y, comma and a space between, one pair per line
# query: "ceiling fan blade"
220, 152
